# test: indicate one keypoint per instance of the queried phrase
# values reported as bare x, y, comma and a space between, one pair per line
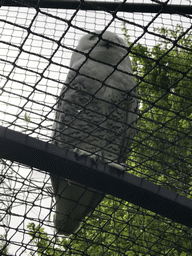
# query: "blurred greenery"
4, 246
162, 148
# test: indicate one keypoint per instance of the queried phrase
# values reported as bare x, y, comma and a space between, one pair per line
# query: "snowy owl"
96, 116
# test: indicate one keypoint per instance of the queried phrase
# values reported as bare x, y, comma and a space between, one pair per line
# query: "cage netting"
36, 46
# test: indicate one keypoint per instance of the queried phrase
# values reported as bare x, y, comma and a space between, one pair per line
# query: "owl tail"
73, 203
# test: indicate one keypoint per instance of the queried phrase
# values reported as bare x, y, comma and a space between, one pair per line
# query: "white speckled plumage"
96, 115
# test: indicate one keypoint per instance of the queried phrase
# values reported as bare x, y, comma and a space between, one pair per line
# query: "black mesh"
36, 45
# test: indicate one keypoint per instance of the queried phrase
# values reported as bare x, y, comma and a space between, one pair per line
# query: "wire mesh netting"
36, 47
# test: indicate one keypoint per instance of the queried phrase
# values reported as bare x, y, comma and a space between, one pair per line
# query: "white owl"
96, 116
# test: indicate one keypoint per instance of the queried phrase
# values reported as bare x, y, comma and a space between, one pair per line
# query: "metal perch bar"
24, 149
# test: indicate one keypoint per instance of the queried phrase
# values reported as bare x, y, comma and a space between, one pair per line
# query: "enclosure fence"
147, 207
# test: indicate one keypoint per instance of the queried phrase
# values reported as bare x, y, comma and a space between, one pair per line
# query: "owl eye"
93, 37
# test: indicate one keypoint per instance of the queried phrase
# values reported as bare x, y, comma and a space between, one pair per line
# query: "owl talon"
81, 153
121, 166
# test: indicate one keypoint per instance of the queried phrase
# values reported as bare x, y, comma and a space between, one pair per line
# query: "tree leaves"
163, 74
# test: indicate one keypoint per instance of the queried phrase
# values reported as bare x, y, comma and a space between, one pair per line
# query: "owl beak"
106, 45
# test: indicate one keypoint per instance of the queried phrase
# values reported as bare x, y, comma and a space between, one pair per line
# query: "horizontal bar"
32, 152
101, 5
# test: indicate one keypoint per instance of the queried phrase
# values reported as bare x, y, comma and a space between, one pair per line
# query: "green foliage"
27, 118
161, 153
3, 245
117, 228
45, 245
164, 73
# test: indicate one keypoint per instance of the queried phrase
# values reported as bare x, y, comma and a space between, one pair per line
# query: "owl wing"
73, 201
131, 105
